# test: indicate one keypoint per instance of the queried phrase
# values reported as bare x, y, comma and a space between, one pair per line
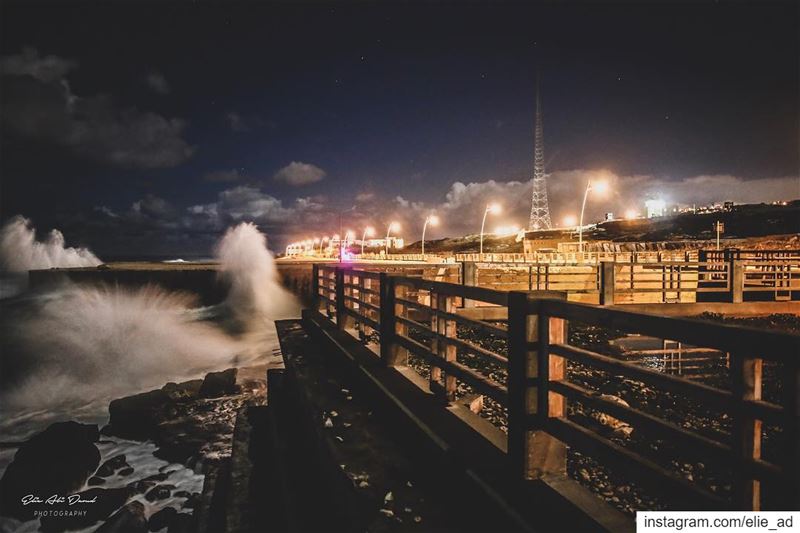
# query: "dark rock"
159, 492
95, 480
182, 523
112, 465
99, 505
187, 390
182, 494
58, 460
127, 471
179, 451
129, 519
218, 384
192, 501
136, 417
162, 518
161, 476
141, 486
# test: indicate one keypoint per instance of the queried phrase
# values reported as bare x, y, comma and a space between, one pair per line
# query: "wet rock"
217, 384
129, 519
136, 417
112, 465
58, 460
127, 471
162, 518
98, 503
95, 480
188, 390
192, 501
159, 492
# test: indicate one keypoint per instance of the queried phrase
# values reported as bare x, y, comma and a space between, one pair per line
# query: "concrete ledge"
722, 308
466, 453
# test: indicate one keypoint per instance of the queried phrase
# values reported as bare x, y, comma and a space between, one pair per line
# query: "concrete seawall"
200, 279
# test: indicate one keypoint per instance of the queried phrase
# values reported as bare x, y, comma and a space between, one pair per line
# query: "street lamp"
369, 231
570, 221
493, 209
392, 226
600, 187
433, 220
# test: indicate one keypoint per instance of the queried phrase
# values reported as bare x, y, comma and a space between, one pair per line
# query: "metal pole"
486, 212
363, 238
580, 223
388, 230
427, 219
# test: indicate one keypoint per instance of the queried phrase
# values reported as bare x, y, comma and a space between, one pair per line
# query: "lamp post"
491, 208
341, 249
433, 220
368, 231
392, 226
600, 187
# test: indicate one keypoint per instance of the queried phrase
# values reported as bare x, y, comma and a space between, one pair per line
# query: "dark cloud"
224, 176
236, 122
39, 104
158, 83
28, 63
297, 174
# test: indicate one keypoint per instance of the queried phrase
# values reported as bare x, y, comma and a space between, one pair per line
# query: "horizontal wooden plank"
646, 472
714, 450
737, 339
481, 384
363, 318
453, 341
466, 321
362, 302
720, 399
452, 289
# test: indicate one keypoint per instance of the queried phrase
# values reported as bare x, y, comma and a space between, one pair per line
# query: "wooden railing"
525, 366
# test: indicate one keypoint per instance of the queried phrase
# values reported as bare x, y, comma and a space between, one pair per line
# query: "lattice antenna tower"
540, 210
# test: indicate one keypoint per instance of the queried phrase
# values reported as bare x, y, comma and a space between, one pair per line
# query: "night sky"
147, 128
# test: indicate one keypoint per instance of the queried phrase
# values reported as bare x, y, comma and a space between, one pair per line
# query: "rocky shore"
144, 471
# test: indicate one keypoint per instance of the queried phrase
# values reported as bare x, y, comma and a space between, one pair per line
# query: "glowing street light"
570, 221
493, 209
599, 187
631, 214
393, 226
321, 242
369, 231
433, 220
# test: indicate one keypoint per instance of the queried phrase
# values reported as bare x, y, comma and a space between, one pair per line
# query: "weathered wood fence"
403, 317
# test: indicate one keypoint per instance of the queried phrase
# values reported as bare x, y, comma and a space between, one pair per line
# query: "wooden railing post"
315, 300
746, 431
531, 450
341, 316
791, 434
442, 384
391, 353
469, 277
736, 273
607, 283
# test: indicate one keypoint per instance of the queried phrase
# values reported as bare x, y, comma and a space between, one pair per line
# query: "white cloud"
297, 174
